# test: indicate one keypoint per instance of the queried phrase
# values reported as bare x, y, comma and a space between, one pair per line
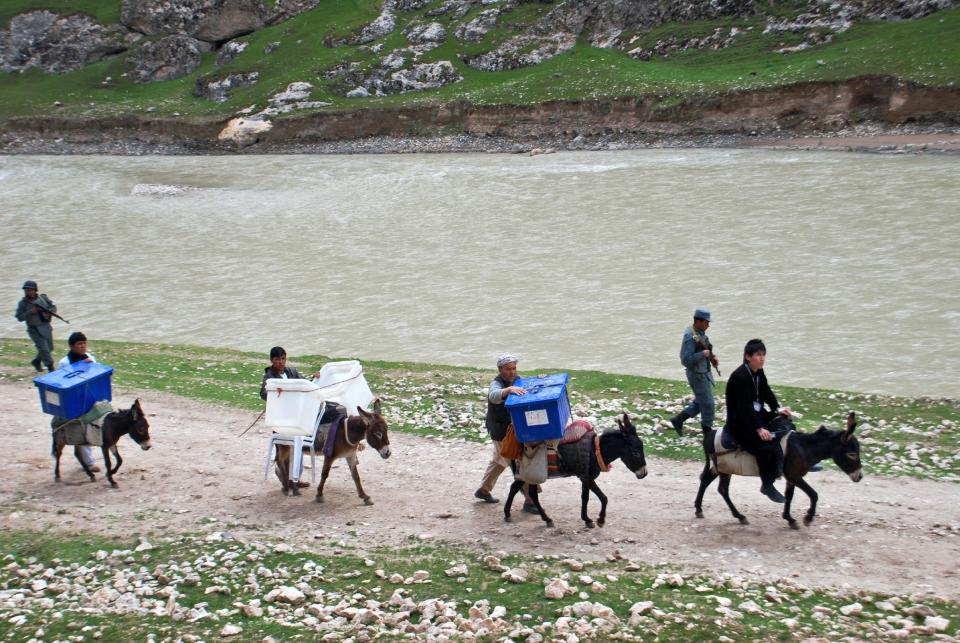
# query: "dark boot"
706, 428
678, 420
36, 364
771, 492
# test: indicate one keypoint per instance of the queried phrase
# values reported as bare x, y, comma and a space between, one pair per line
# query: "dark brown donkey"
115, 425
350, 436
803, 451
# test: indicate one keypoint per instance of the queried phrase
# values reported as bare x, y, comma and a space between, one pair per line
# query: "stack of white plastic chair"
294, 409
343, 383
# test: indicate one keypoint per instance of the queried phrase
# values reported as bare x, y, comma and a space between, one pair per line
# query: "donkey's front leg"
78, 453
807, 489
57, 450
327, 463
355, 472
788, 495
106, 466
602, 518
116, 454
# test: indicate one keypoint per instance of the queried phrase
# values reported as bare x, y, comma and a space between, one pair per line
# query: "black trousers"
769, 459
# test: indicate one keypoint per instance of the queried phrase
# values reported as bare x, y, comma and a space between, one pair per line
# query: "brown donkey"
369, 427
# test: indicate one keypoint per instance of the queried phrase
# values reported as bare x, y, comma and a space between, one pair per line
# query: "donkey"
371, 427
115, 425
803, 451
580, 459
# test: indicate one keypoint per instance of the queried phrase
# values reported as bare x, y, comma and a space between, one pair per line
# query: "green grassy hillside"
926, 51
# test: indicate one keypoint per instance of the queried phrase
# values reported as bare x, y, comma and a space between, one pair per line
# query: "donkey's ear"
620, 423
364, 412
851, 425
136, 409
376, 406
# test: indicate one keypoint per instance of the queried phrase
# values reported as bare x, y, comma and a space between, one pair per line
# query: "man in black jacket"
747, 394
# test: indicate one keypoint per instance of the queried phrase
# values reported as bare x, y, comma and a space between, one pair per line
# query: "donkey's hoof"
589, 524
319, 498
743, 520
367, 501
699, 514
549, 523
507, 519
601, 522
807, 520
794, 525
114, 485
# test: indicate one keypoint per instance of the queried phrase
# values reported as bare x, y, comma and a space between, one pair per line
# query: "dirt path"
887, 534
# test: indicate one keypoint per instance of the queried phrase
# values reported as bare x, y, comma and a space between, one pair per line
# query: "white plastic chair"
294, 410
343, 383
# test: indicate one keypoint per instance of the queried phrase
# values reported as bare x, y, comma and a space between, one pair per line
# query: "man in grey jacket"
696, 354
34, 309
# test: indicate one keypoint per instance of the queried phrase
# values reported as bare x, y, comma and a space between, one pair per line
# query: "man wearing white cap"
696, 354
498, 419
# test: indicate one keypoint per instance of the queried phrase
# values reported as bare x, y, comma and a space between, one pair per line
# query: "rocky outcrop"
383, 25
207, 20
230, 51
522, 51
218, 88
431, 32
166, 59
721, 38
478, 27
397, 73
57, 44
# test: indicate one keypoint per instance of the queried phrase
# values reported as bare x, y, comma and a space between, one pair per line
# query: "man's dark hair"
76, 337
277, 351
754, 346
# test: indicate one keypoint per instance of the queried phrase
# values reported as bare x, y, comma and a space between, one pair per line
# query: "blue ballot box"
71, 391
544, 411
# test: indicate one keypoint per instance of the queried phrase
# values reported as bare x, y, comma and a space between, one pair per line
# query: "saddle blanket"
77, 433
327, 436
736, 461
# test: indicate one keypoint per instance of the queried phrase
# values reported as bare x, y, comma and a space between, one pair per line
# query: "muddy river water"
847, 265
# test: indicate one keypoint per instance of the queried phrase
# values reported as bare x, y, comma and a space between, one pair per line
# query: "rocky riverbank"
865, 109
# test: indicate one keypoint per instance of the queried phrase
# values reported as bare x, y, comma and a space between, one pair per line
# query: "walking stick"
254, 422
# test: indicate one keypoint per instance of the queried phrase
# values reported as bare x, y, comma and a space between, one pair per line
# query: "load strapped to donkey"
545, 443
321, 415
78, 397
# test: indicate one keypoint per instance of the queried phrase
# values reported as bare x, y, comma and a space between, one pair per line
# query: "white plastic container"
343, 383
292, 406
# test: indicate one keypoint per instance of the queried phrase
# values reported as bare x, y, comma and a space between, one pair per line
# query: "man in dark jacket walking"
497, 421
751, 406
34, 309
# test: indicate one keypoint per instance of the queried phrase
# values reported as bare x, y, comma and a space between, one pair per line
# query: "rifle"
48, 311
706, 346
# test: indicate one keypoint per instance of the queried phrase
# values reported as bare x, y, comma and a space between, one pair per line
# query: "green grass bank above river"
916, 437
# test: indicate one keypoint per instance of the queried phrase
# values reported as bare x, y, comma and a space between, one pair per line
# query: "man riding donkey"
497, 422
752, 409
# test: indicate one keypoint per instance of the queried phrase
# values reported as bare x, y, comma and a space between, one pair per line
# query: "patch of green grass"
925, 51
899, 436
215, 578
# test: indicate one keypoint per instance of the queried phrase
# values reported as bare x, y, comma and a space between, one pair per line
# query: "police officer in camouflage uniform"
29, 310
696, 354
